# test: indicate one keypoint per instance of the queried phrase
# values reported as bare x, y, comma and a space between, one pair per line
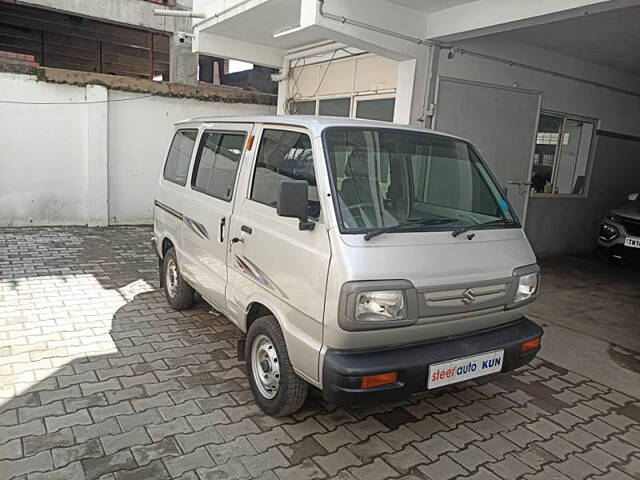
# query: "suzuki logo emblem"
468, 296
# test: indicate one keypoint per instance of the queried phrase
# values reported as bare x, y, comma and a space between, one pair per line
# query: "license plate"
632, 242
461, 369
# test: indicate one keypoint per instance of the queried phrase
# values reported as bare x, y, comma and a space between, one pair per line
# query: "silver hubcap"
172, 278
265, 366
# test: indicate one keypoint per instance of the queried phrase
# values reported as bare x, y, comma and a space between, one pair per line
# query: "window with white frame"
370, 107
376, 108
562, 155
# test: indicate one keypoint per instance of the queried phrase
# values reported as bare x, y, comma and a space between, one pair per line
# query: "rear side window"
216, 165
177, 166
284, 155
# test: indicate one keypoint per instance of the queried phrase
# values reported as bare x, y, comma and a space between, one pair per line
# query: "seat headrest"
357, 164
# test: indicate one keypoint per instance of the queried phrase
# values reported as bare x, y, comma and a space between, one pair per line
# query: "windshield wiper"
409, 223
500, 221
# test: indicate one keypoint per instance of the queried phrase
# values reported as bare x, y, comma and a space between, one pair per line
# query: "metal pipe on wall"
178, 13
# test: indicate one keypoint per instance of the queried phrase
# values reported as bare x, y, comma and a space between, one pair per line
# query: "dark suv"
619, 232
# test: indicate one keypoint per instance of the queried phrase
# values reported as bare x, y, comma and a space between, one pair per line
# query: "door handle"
246, 229
223, 222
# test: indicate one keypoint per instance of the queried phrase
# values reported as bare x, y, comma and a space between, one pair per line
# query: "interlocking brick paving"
99, 379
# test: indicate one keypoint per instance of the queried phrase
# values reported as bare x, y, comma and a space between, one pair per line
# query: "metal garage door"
501, 122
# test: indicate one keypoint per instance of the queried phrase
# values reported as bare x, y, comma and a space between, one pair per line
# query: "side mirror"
293, 199
633, 196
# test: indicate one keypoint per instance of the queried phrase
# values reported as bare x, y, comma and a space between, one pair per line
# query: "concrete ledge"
217, 93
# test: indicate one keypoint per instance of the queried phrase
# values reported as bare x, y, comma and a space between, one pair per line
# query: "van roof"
314, 123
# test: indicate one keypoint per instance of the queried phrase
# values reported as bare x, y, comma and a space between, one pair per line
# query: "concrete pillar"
283, 88
411, 89
97, 146
183, 63
283, 96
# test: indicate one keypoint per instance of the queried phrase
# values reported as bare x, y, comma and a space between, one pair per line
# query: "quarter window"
177, 166
214, 172
284, 155
562, 154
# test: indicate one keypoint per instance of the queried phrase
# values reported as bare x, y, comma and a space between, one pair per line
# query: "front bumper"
342, 370
615, 245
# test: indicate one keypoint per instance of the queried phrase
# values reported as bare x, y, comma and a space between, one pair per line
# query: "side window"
284, 155
176, 167
216, 165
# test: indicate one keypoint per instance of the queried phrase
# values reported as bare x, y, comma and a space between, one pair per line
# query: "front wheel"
178, 292
278, 390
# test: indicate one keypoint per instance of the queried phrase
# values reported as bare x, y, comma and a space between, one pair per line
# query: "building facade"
119, 37
548, 91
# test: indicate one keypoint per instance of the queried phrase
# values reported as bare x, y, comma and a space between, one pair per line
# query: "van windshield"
388, 177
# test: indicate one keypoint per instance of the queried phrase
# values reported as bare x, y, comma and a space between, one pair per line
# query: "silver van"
366, 259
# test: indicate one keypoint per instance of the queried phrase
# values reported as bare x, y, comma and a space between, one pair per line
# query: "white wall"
43, 172
139, 135
79, 164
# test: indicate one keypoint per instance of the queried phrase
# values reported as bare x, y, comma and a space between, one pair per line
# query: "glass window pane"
574, 157
205, 161
335, 107
387, 178
284, 155
217, 163
307, 107
176, 167
378, 109
545, 153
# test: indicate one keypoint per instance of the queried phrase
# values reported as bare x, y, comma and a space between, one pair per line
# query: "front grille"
464, 298
631, 226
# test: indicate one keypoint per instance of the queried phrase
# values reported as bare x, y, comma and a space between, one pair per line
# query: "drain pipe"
283, 74
429, 106
178, 13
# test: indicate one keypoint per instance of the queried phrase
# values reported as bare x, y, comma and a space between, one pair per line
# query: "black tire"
181, 297
292, 390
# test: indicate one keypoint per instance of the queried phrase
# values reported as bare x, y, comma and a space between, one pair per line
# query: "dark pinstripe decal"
168, 209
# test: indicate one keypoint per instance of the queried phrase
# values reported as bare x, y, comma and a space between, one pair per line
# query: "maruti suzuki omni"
366, 259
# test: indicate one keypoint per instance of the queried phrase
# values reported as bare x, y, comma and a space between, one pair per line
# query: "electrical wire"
324, 75
290, 104
18, 102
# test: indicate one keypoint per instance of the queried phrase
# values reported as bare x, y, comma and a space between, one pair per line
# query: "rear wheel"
278, 390
178, 292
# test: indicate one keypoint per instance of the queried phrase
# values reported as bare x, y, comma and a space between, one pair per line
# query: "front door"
273, 259
501, 122
208, 205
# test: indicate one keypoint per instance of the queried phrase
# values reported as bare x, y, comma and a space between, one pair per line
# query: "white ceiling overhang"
263, 31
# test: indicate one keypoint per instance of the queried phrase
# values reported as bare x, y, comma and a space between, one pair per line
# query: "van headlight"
526, 283
376, 304
527, 287
380, 306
